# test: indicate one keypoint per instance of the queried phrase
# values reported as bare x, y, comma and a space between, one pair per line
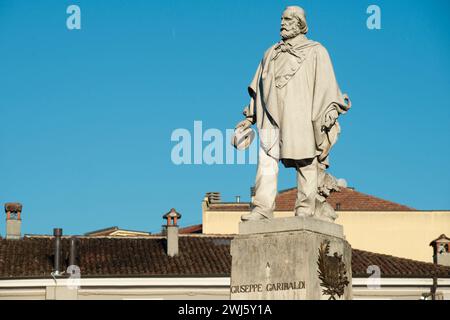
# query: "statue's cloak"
291, 93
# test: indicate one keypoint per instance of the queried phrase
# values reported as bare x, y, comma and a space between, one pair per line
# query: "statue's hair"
300, 14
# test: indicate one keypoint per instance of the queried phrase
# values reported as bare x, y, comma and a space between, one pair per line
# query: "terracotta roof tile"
394, 267
198, 228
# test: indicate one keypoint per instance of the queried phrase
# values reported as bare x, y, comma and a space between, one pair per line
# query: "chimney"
213, 197
171, 227
13, 211
57, 233
441, 250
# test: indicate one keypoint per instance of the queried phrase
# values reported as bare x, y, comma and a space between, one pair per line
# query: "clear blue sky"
87, 115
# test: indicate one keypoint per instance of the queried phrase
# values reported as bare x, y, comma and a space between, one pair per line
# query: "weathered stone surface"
284, 265
291, 224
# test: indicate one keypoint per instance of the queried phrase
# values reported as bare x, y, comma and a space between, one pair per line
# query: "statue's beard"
290, 32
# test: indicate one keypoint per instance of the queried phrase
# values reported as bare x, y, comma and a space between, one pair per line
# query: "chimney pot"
213, 197
441, 250
57, 232
172, 217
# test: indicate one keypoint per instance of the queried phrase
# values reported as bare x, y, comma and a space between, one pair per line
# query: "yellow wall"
403, 234
227, 222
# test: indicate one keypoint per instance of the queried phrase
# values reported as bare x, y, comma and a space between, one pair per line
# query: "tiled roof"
110, 257
345, 200
394, 267
198, 228
200, 255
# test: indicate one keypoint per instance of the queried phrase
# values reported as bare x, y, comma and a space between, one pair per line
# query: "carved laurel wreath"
332, 273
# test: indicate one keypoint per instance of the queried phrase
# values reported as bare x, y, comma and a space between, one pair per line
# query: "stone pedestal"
292, 258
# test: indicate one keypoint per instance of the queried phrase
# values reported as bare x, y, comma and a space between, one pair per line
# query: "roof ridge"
103, 229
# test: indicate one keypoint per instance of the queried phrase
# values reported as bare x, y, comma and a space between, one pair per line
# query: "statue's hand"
330, 118
245, 124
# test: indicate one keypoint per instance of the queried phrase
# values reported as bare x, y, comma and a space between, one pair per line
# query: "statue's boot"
301, 214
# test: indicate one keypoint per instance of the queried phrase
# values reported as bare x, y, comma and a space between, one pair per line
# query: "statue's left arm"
328, 102
327, 95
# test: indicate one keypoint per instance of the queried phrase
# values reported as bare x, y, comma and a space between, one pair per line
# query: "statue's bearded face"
290, 26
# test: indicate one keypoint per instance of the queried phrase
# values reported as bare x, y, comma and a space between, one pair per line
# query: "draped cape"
309, 85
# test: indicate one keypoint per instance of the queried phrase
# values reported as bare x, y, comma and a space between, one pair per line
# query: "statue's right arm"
249, 112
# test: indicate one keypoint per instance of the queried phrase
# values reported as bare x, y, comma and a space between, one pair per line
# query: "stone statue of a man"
295, 103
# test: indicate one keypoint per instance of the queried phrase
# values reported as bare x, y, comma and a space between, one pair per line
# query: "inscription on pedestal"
259, 287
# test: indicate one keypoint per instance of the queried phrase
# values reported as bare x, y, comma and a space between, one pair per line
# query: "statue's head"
293, 22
